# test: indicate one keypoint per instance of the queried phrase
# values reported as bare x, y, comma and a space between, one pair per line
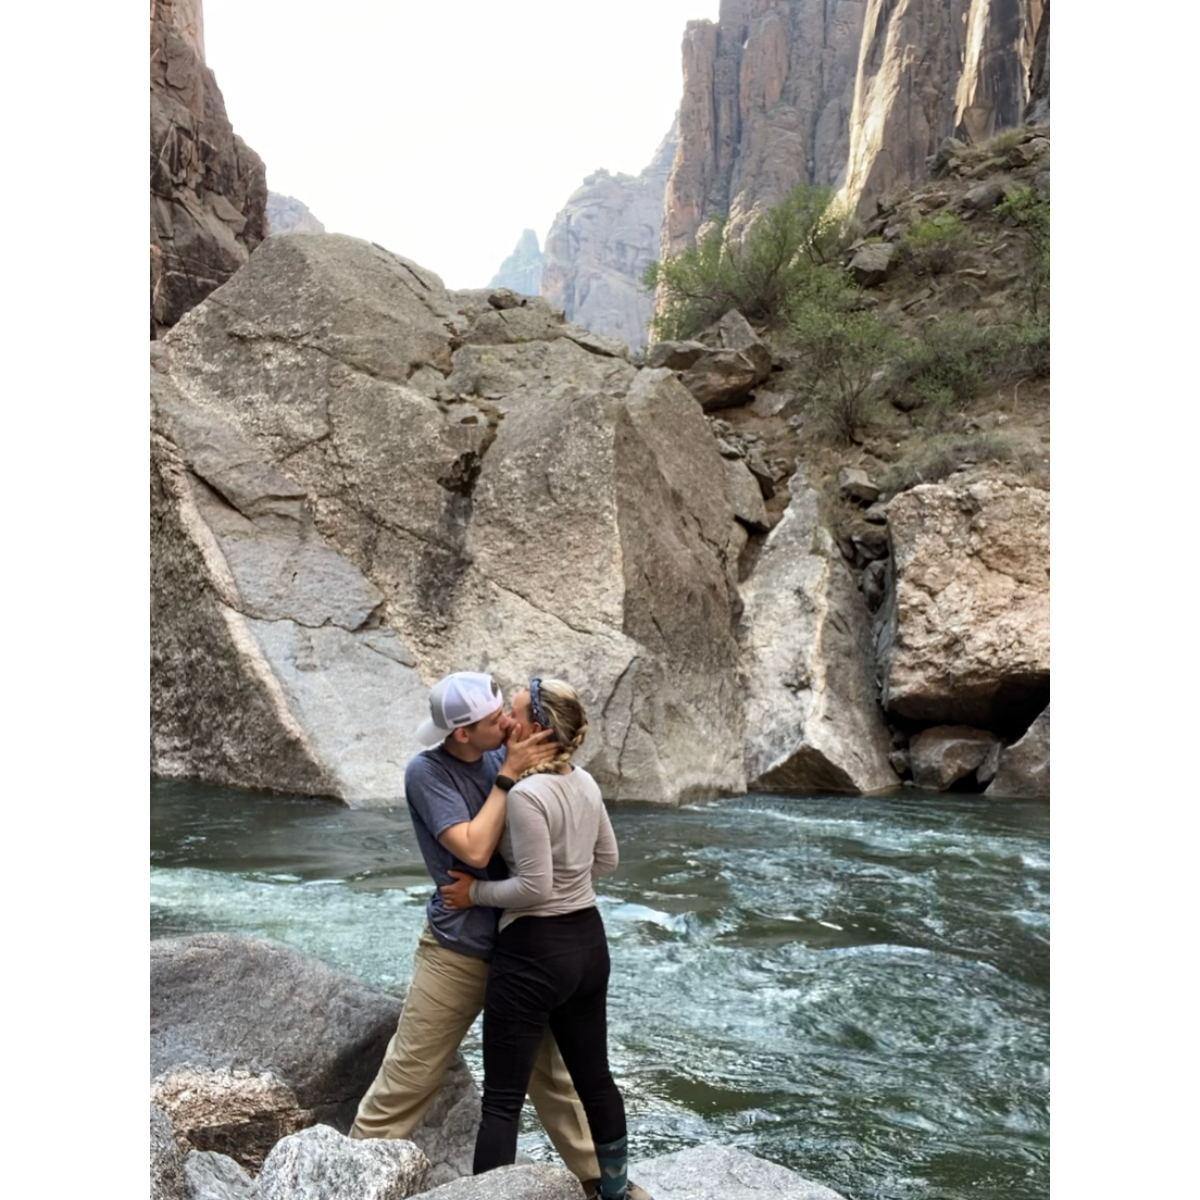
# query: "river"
857, 988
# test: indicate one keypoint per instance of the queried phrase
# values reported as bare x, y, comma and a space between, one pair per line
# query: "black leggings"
546, 970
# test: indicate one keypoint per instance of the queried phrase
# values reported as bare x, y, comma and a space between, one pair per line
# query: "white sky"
443, 130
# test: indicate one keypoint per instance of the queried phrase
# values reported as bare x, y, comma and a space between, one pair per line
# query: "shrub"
756, 274
949, 363
932, 246
1031, 214
942, 455
846, 351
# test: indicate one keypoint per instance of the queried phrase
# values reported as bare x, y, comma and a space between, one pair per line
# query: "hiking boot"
591, 1190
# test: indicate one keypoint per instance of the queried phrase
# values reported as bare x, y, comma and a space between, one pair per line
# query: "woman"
551, 960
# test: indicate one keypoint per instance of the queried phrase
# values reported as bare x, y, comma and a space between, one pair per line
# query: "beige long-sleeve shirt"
557, 841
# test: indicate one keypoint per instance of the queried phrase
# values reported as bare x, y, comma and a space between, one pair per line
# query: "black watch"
504, 783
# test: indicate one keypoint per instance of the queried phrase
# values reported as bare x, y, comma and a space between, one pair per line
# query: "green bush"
1031, 214
756, 274
948, 365
932, 245
942, 455
846, 351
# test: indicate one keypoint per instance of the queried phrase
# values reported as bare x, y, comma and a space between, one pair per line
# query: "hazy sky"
443, 130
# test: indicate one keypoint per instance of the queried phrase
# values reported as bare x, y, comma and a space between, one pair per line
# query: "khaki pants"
444, 998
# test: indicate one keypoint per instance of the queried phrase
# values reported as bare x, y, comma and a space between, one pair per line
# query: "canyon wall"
208, 189
600, 245
521, 271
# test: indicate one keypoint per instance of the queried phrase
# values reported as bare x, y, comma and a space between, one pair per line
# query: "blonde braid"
568, 720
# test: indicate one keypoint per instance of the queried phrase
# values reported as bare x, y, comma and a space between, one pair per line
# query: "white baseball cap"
457, 700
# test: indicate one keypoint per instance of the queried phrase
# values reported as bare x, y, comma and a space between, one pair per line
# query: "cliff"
767, 92
208, 190
521, 271
286, 214
928, 69
600, 245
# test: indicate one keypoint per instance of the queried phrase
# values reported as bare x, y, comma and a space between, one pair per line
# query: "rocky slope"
286, 214
521, 271
208, 191
927, 645
600, 245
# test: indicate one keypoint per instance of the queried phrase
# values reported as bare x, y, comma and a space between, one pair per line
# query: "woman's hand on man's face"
457, 894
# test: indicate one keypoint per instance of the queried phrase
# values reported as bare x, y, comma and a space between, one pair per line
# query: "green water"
855, 988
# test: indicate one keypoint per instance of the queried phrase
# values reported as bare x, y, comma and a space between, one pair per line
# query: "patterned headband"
535, 703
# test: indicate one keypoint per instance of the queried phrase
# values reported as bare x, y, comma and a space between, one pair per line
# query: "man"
456, 793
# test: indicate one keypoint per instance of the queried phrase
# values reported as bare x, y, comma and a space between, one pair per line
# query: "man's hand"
534, 751
458, 893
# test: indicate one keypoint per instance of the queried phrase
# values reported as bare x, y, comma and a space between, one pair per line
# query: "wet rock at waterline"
945, 755
252, 1041
812, 719
963, 636
533, 1181
723, 1173
362, 481
322, 1164
1024, 767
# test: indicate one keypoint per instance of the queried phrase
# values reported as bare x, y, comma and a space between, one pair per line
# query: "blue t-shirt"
441, 791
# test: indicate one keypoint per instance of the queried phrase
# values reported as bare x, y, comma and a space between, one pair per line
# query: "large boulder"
166, 1163
353, 464
946, 754
1024, 769
533, 1181
964, 633
737, 359
322, 1164
812, 720
269, 663
724, 1173
208, 189
250, 1040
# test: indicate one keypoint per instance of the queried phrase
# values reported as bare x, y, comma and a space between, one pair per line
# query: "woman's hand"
458, 893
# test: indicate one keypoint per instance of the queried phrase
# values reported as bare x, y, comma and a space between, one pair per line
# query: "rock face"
1038, 111
928, 69
724, 1173
298, 686
963, 635
1024, 769
286, 214
362, 481
521, 271
208, 190
600, 245
767, 93
250, 1041
812, 719
322, 1164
